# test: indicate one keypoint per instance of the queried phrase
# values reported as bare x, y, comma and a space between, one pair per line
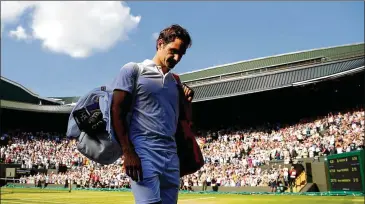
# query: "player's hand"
189, 93
132, 165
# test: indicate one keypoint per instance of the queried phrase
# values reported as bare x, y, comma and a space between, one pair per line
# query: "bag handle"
177, 78
185, 106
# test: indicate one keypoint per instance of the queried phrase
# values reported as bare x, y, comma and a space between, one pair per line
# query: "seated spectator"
233, 158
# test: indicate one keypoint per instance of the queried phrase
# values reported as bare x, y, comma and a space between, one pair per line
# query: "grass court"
49, 196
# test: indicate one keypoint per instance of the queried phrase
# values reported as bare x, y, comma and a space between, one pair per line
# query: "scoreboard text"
345, 173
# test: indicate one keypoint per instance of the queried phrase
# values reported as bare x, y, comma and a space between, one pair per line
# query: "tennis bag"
188, 150
90, 123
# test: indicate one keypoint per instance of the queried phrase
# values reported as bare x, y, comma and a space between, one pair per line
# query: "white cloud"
155, 36
19, 33
78, 28
12, 10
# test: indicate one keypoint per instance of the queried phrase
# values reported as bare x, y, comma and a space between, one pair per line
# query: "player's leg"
169, 195
148, 190
170, 179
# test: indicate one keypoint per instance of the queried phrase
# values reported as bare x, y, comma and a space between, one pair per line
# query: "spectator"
233, 158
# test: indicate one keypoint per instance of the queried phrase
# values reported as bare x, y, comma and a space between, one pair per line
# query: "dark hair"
172, 32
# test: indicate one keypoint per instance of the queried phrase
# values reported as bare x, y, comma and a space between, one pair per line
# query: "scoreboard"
346, 171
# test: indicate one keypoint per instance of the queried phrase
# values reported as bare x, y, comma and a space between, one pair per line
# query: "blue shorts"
161, 177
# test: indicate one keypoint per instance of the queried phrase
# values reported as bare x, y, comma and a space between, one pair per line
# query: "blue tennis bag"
90, 123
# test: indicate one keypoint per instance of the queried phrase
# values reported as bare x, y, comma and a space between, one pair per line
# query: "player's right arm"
119, 110
122, 97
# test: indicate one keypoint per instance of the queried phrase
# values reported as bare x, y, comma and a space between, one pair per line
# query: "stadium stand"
233, 159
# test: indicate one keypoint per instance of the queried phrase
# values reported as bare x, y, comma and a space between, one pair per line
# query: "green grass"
49, 196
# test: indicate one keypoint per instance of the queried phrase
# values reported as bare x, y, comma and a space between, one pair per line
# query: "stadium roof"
278, 79
35, 108
13, 91
330, 53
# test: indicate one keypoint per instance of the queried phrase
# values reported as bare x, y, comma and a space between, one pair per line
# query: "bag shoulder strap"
177, 78
184, 107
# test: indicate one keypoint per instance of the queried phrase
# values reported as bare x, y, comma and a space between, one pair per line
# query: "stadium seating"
233, 159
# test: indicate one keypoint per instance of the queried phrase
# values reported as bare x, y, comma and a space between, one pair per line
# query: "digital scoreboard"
346, 171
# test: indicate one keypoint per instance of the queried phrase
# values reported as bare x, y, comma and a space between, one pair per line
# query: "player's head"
171, 45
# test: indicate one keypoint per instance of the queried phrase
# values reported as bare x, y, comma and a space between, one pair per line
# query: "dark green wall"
320, 175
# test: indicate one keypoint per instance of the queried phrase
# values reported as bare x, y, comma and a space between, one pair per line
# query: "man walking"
148, 141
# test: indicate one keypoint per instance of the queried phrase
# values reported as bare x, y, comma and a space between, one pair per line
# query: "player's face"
172, 53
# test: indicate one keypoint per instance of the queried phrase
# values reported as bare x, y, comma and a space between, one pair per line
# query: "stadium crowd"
233, 158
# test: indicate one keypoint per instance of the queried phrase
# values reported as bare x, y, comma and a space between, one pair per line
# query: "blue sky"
222, 32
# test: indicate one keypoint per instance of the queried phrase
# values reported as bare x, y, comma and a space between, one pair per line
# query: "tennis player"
148, 142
